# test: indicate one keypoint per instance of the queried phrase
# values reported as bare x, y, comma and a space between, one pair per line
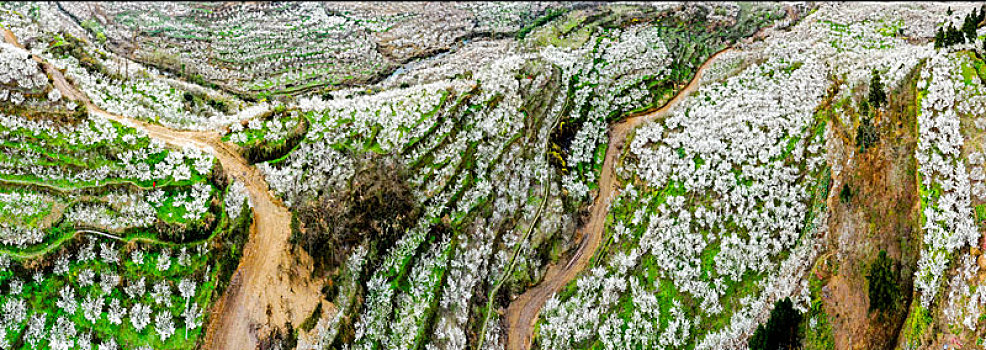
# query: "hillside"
500, 175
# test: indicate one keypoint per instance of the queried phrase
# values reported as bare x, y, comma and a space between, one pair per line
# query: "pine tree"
866, 135
949, 36
780, 331
883, 288
953, 36
877, 96
939, 38
846, 194
969, 26
759, 338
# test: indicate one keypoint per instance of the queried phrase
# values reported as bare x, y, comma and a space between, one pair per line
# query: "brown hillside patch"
881, 214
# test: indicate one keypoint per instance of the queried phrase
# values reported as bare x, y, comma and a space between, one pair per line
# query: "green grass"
549, 16
918, 321
55, 237
819, 337
972, 67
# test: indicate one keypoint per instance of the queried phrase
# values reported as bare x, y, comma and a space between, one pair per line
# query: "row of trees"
946, 37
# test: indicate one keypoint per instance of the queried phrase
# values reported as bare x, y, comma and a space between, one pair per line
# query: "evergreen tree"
949, 37
953, 36
877, 96
883, 288
780, 331
940, 38
866, 134
969, 26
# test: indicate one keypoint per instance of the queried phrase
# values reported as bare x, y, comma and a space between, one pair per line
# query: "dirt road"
523, 311
267, 274
270, 289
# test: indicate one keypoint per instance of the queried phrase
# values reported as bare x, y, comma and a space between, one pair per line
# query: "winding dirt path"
269, 288
523, 311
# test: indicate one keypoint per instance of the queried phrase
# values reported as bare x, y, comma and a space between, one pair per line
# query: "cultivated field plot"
500, 175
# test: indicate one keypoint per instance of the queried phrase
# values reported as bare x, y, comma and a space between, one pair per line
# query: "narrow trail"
523, 311
268, 288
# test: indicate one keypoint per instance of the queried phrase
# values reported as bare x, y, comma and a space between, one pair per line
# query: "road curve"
269, 288
239, 318
523, 312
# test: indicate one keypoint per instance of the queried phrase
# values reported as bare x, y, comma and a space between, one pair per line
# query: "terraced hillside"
297, 175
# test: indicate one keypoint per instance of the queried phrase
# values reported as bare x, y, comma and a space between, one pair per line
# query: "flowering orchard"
723, 207
477, 175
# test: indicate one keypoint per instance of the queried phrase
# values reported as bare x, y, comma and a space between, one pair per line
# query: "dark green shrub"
883, 288
561, 143
780, 331
877, 97
313, 318
846, 194
228, 249
866, 134
278, 339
